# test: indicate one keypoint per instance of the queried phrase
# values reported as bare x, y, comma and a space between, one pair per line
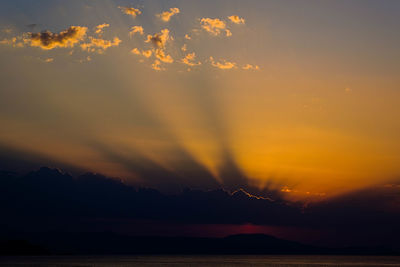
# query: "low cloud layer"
49, 193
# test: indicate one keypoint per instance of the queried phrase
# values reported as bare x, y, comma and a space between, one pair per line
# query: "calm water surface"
278, 261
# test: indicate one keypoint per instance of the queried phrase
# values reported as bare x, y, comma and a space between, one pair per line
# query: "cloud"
166, 15
250, 67
48, 40
157, 65
130, 11
189, 60
49, 60
224, 65
145, 53
184, 48
187, 37
214, 26
7, 30
236, 19
99, 28
159, 39
100, 44
136, 29
14, 42
160, 54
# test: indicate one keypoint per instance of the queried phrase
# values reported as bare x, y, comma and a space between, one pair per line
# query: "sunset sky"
302, 97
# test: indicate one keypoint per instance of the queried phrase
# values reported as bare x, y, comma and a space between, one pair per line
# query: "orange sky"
301, 100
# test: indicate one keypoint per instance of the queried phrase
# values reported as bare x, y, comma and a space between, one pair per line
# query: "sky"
300, 97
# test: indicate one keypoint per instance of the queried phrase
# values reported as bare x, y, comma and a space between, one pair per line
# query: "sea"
202, 260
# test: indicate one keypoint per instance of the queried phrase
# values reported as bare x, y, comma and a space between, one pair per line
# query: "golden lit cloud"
156, 65
136, 29
48, 40
100, 28
130, 11
224, 65
236, 19
160, 54
166, 15
49, 60
159, 39
184, 48
145, 53
250, 67
14, 42
189, 60
187, 37
214, 26
100, 45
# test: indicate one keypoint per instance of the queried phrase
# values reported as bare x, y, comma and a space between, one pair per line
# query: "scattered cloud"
224, 65
184, 48
159, 39
7, 30
136, 29
130, 11
236, 19
100, 28
160, 54
187, 37
189, 60
49, 60
48, 40
100, 45
14, 42
228, 33
214, 26
156, 65
250, 67
145, 53
166, 15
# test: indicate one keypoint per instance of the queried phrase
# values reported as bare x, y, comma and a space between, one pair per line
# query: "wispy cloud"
223, 65
136, 29
166, 15
236, 19
100, 45
189, 60
100, 28
160, 54
157, 65
250, 67
130, 11
14, 42
214, 26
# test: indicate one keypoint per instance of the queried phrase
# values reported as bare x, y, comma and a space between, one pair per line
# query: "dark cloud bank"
49, 201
